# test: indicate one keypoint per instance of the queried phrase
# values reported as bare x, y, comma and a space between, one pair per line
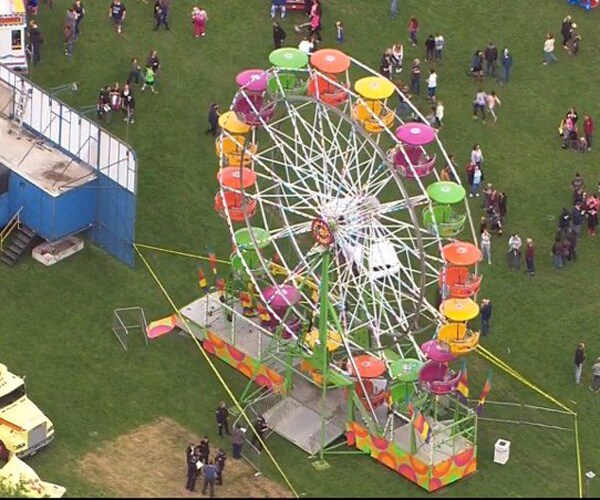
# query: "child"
439, 114
413, 28
199, 19
339, 29
397, 57
149, 79
492, 100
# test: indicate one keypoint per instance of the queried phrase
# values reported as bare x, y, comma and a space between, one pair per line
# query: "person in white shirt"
479, 105
477, 155
439, 114
306, 46
397, 57
514, 251
549, 56
477, 178
439, 47
431, 84
486, 246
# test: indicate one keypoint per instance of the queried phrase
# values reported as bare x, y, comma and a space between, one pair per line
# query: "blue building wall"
114, 230
53, 217
5, 213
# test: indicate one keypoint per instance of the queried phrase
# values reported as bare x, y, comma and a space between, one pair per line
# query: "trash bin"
501, 451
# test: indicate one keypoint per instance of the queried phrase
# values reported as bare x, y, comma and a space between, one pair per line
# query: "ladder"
21, 99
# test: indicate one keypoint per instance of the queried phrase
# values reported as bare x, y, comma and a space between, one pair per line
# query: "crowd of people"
198, 456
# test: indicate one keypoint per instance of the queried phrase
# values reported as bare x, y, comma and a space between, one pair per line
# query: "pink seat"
421, 164
438, 378
252, 109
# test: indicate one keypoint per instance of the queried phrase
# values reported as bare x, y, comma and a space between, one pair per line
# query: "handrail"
8, 423
13, 223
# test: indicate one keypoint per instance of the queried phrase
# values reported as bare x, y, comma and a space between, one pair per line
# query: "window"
16, 37
12, 396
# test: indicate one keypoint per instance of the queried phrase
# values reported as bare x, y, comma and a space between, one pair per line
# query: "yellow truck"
24, 428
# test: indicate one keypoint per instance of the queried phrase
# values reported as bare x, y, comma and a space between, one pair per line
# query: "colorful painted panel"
243, 363
409, 466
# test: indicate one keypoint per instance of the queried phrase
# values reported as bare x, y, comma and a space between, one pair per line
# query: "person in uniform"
260, 428
203, 450
220, 463
192, 469
222, 415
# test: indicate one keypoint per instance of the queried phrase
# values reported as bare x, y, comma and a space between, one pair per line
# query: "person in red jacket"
413, 28
588, 130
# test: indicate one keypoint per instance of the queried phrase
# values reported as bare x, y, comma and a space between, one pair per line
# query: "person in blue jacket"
506, 62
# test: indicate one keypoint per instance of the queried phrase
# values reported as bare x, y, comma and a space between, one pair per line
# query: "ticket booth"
12, 34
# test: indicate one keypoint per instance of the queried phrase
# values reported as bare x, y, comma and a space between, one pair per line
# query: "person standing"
80, 12
278, 5
476, 181
128, 103
339, 32
260, 427
397, 58
222, 415
203, 450
385, 66
557, 253
566, 30
210, 473
431, 85
413, 29
237, 441
486, 246
479, 104
490, 56
136, 75
439, 114
117, 12
506, 62
69, 31
549, 56
394, 9
199, 19
514, 251
220, 464
579, 359
192, 468
439, 43
36, 39
161, 11
530, 256
588, 130
154, 61
429, 48
278, 35
485, 312
596, 374
476, 155
415, 77
149, 78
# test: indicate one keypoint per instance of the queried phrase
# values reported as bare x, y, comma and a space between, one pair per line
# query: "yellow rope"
579, 471
484, 353
501, 364
176, 252
210, 363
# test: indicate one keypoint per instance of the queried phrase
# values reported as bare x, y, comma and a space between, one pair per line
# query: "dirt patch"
150, 462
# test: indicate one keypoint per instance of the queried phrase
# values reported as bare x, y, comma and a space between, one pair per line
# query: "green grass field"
56, 321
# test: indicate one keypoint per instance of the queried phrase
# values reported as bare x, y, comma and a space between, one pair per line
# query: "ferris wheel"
353, 237
314, 170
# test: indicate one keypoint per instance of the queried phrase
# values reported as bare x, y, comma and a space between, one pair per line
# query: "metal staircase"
21, 241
